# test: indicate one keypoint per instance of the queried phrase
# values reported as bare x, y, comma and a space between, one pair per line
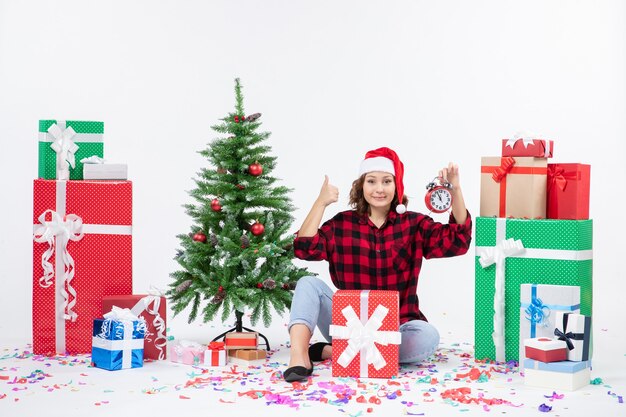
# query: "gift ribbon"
150, 304
65, 147
363, 335
499, 173
569, 337
216, 345
57, 233
537, 317
527, 139
497, 255
557, 180
527, 253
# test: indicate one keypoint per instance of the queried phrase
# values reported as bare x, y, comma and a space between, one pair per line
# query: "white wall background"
437, 81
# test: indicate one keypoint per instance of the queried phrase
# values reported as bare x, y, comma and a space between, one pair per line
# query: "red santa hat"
386, 160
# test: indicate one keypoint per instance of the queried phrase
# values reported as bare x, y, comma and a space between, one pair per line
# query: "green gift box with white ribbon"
62, 145
511, 252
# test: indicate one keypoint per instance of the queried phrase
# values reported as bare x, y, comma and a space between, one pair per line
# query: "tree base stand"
239, 328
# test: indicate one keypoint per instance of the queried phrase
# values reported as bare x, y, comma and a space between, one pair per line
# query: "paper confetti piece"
596, 381
544, 408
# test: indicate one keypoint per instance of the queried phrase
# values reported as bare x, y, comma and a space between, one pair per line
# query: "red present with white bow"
215, 354
152, 309
527, 145
365, 331
545, 349
82, 252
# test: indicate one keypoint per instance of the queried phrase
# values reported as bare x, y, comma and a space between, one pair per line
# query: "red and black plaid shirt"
362, 256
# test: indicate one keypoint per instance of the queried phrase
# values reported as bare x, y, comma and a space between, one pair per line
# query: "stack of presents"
533, 264
82, 252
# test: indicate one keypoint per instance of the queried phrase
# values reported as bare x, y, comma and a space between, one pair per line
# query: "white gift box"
538, 310
577, 329
565, 375
105, 171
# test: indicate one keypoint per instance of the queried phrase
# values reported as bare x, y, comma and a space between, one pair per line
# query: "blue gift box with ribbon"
118, 343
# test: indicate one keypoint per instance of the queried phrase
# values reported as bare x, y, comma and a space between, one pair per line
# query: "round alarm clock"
438, 197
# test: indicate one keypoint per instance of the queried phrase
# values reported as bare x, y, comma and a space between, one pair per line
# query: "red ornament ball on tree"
215, 205
220, 289
259, 285
236, 118
257, 229
199, 237
255, 169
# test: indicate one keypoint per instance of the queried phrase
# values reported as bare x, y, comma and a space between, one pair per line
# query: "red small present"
568, 191
152, 309
519, 146
544, 349
366, 340
241, 340
82, 251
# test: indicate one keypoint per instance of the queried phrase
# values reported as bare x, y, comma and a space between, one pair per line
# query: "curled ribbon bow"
57, 233
506, 164
537, 312
65, 148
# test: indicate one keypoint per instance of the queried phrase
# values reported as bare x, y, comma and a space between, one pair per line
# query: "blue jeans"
312, 306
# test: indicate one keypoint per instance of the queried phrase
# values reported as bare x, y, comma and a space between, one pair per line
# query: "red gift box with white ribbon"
524, 146
365, 330
82, 252
150, 307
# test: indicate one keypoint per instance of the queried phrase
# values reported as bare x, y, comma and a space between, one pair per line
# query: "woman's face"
379, 189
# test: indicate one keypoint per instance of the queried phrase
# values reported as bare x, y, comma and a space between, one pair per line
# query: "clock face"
440, 200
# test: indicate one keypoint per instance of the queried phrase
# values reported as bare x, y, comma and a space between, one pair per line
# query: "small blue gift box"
117, 344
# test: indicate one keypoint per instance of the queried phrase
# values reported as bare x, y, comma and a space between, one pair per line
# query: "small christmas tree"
239, 253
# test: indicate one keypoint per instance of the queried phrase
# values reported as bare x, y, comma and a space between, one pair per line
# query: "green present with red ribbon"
568, 191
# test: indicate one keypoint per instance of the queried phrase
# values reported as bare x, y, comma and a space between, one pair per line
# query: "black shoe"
297, 373
316, 349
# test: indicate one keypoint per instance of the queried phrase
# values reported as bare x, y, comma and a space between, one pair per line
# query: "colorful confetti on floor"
452, 382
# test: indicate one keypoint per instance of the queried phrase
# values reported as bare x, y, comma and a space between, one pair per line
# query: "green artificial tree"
239, 253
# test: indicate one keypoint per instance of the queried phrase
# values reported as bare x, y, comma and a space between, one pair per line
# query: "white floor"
68, 386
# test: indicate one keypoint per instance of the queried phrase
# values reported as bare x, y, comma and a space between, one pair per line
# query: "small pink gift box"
187, 352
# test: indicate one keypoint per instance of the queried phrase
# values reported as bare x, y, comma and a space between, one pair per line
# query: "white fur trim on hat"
379, 163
